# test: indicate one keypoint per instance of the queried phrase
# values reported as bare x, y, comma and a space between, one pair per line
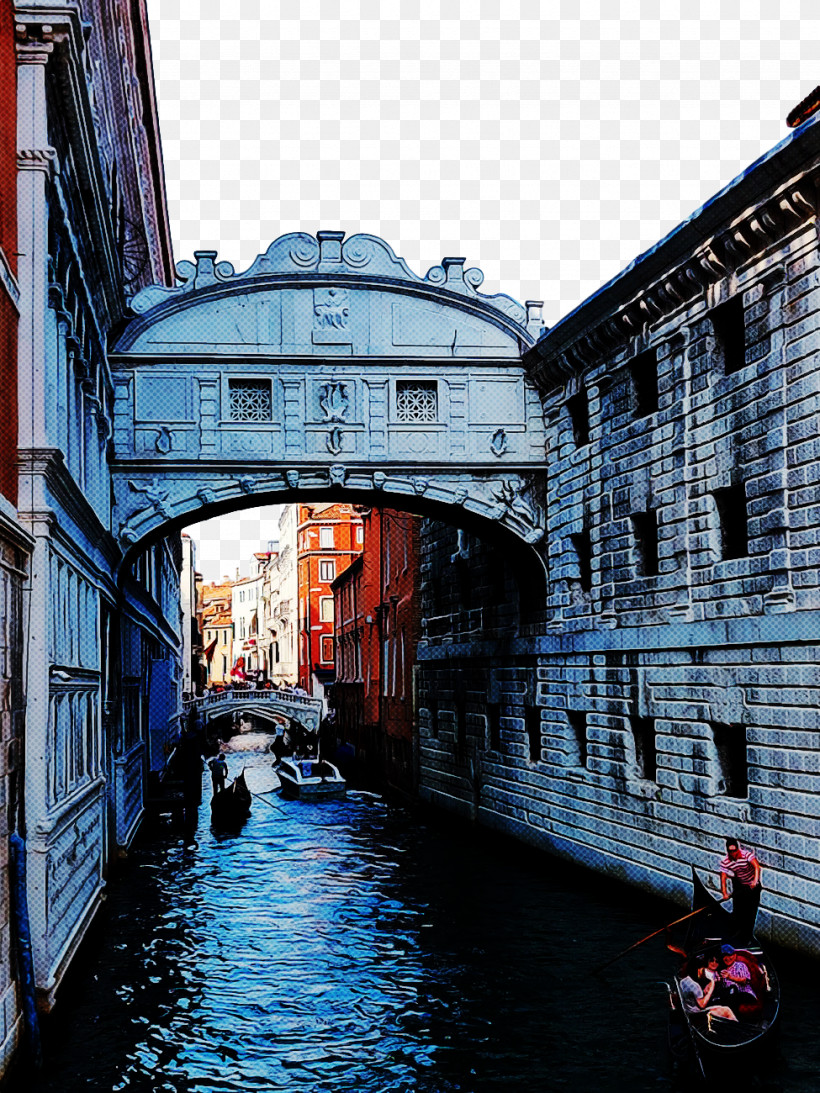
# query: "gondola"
717, 1040
230, 806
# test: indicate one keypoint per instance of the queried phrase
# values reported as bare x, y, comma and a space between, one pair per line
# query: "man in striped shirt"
744, 869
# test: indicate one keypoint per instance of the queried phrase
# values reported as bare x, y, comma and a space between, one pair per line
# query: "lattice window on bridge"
250, 400
416, 400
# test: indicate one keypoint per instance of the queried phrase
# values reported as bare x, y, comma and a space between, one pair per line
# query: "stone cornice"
652, 289
142, 609
48, 463
299, 260
58, 32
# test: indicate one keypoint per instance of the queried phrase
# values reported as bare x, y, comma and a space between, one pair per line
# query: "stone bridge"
328, 369
267, 704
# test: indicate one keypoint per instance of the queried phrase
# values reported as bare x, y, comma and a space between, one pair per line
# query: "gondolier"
219, 772
744, 869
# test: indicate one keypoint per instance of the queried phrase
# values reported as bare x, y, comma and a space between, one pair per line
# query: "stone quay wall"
671, 697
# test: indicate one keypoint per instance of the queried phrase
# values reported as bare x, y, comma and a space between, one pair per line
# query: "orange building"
216, 626
376, 607
328, 539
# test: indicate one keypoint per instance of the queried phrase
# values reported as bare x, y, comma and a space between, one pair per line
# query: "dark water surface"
361, 947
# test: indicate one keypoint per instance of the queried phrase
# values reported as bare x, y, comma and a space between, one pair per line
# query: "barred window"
250, 400
416, 400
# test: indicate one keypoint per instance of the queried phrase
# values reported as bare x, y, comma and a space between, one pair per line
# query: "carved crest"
499, 443
333, 443
331, 309
511, 495
155, 494
163, 441
334, 401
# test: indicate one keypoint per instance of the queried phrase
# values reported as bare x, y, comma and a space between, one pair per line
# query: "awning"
209, 651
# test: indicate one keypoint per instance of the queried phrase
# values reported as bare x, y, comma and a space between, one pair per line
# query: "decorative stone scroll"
365, 255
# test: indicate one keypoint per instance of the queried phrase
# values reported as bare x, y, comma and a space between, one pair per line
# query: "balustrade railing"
253, 694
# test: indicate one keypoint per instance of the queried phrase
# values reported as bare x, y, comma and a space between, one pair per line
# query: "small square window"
577, 741
729, 325
416, 400
578, 409
327, 571
327, 650
644, 372
582, 544
734, 523
494, 725
326, 609
250, 400
645, 525
326, 538
731, 747
646, 750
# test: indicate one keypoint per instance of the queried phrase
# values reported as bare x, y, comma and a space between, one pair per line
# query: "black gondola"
717, 1039
230, 806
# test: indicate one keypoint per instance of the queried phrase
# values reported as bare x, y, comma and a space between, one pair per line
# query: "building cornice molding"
48, 464
56, 36
604, 324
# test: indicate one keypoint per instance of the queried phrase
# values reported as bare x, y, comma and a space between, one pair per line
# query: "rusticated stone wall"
671, 698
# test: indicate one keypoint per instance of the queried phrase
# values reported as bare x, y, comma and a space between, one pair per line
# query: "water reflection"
345, 946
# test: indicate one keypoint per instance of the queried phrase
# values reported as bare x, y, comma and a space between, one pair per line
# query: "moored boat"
310, 779
230, 806
716, 1038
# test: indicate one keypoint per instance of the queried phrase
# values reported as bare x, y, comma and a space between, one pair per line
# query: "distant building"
191, 637
284, 601
278, 624
377, 627
217, 630
246, 612
329, 537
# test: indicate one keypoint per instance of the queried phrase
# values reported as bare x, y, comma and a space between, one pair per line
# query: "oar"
265, 801
655, 933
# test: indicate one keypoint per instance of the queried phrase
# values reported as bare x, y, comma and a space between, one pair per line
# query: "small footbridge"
272, 705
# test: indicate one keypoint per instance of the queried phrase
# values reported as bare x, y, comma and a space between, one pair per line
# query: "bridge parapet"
296, 707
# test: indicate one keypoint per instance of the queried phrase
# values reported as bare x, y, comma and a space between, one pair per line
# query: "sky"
549, 142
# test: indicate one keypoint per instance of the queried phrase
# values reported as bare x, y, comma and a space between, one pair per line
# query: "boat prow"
310, 779
230, 806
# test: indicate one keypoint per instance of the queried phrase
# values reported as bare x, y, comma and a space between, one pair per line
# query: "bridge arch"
328, 370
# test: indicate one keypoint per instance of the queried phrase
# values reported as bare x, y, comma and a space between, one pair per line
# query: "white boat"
310, 779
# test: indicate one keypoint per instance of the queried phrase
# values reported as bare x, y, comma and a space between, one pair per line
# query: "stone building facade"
15, 552
376, 630
670, 696
328, 539
102, 653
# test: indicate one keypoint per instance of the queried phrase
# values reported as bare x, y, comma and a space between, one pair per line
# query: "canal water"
363, 947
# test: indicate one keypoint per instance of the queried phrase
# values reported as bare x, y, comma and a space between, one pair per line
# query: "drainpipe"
22, 945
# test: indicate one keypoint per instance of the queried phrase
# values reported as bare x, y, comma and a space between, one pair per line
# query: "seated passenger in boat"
711, 969
739, 974
696, 992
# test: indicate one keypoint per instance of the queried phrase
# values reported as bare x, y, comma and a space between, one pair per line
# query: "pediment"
322, 297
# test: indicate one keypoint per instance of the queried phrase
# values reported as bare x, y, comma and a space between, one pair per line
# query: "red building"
9, 293
328, 539
376, 605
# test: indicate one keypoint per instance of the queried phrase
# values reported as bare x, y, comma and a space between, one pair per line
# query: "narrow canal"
360, 947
